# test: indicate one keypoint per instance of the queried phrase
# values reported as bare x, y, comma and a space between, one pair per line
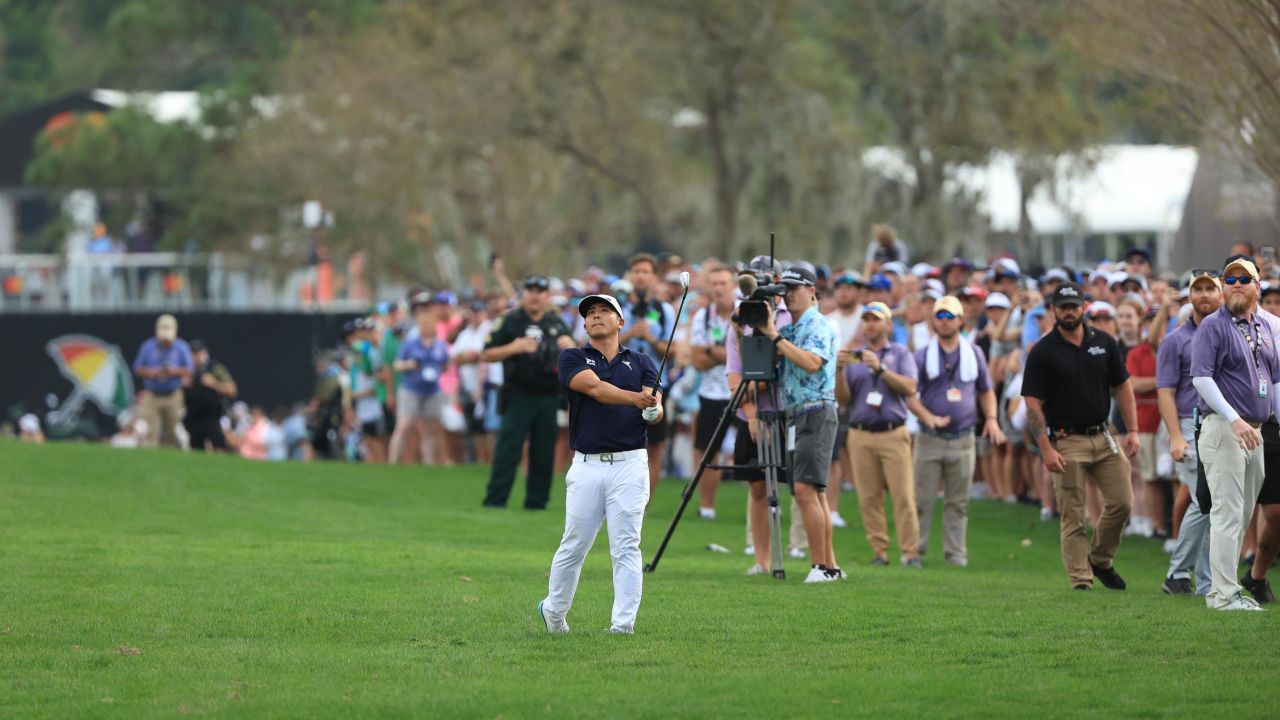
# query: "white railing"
158, 282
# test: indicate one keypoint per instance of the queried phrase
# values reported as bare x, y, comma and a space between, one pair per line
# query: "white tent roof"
1129, 188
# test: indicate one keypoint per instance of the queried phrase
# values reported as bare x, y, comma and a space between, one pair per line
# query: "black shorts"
375, 429
389, 417
475, 426
709, 414
659, 433
744, 453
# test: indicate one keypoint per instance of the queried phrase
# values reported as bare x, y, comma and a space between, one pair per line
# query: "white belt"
613, 457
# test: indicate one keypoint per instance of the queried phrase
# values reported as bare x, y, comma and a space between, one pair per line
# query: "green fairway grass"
153, 584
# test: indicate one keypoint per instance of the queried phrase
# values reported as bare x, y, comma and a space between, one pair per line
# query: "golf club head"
684, 280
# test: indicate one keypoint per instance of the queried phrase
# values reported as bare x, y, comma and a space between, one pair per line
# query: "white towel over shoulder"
968, 371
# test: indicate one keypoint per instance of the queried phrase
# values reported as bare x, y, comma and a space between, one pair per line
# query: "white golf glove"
650, 414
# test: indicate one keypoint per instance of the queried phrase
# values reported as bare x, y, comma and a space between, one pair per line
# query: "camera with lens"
754, 311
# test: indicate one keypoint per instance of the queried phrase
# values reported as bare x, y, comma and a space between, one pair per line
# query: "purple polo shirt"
893, 408
1221, 352
1173, 367
933, 392
733, 356
153, 355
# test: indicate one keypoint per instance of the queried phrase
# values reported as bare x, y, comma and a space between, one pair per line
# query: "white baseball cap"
585, 304
998, 300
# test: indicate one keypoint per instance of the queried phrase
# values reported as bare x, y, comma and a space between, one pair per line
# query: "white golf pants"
598, 490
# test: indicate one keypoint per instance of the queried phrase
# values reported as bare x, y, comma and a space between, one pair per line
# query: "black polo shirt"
1074, 383
595, 427
529, 373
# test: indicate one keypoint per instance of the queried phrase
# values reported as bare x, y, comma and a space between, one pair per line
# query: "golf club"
684, 283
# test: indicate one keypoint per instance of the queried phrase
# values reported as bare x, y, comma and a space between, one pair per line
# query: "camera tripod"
770, 457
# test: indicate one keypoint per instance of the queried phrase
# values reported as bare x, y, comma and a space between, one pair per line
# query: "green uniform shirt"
532, 373
390, 348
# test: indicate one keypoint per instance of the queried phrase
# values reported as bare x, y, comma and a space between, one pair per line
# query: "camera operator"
648, 322
527, 341
808, 382
205, 397
874, 383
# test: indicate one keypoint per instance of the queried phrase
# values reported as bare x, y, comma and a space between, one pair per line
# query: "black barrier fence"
75, 371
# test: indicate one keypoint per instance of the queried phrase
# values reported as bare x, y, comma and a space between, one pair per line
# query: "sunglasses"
1204, 272
945, 315
1245, 280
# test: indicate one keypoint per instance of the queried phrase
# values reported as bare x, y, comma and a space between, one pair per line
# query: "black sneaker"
1108, 576
1082, 586
1259, 589
1176, 586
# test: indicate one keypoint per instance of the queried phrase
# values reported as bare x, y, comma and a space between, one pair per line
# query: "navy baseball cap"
798, 276
880, 282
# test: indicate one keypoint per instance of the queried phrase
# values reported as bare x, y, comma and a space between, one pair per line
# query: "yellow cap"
1243, 265
878, 309
949, 304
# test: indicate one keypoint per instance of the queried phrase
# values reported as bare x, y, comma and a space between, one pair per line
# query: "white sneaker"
977, 491
1046, 514
553, 624
797, 553
837, 521
757, 569
707, 513
847, 487
749, 550
615, 630
1239, 602
1170, 545
818, 575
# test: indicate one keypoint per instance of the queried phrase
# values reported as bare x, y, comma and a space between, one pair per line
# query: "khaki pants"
1235, 478
1091, 457
162, 414
947, 464
882, 461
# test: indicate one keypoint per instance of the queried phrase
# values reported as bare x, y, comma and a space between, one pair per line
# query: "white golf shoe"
757, 569
554, 625
1241, 602
818, 575
797, 553
837, 521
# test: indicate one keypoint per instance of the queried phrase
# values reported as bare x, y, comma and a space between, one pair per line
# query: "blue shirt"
595, 427
813, 333
152, 355
661, 318
1031, 326
433, 359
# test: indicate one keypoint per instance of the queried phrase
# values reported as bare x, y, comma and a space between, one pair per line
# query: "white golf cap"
590, 300
1008, 265
894, 267
922, 269
998, 300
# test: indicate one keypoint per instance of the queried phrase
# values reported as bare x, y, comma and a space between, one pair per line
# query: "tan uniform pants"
1091, 457
945, 464
882, 461
162, 414
1235, 479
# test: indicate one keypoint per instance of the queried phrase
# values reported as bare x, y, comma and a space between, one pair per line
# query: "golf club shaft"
670, 339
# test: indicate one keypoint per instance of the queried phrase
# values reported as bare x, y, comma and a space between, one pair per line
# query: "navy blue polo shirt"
595, 427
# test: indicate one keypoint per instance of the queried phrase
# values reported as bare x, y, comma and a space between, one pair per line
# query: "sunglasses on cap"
536, 283
1204, 272
945, 315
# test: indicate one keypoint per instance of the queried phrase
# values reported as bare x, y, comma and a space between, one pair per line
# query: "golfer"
611, 403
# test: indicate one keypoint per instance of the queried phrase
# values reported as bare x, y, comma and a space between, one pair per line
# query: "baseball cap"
1068, 293
848, 278
894, 267
922, 269
537, 282
970, 291
1135, 277
880, 282
1137, 252
587, 302
167, 327
957, 262
999, 300
878, 309
764, 264
1055, 274
197, 345
1202, 273
1007, 266
1267, 288
1099, 308
949, 304
1244, 263
798, 276
421, 299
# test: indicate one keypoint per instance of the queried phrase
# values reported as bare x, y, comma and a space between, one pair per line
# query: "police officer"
610, 402
953, 383
526, 340
1071, 376
1235, 371
206, 396
1177, 398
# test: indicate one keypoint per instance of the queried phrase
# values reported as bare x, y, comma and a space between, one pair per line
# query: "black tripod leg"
717, 438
